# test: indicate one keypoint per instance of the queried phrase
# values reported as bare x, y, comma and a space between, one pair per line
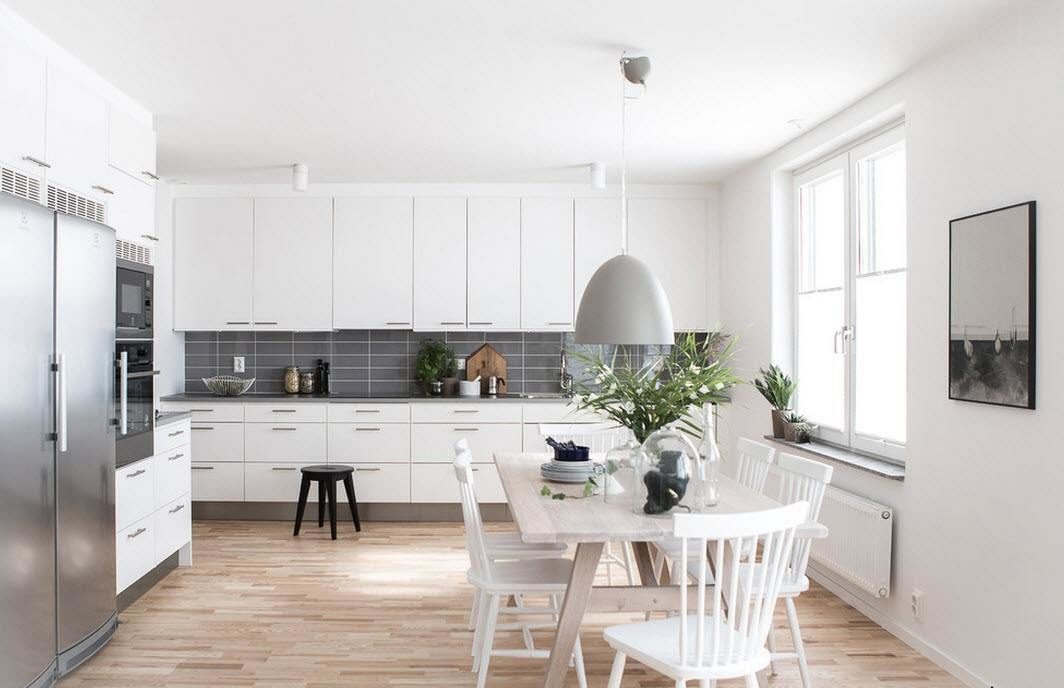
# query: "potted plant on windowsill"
778, 388
796, 428
435, 360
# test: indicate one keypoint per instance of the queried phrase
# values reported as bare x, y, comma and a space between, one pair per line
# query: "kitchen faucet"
565, 379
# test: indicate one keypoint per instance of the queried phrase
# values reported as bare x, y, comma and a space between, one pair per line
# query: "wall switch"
238, 364
918, 603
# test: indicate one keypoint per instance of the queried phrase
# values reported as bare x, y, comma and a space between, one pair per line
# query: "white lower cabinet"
434, 442
213, 441
274, 482
173, 474
218, 482
135, 551
134, 492
436, 482
303, 442
379, 483
173, 527
369, 442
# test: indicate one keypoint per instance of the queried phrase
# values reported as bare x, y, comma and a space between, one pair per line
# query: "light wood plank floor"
388, 608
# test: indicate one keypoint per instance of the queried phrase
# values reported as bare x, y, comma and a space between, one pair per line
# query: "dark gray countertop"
168, 417
351, 399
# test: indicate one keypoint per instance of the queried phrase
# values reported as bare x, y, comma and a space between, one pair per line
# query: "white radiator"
857, 548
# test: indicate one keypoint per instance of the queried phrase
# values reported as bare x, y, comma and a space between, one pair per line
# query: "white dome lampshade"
624, 303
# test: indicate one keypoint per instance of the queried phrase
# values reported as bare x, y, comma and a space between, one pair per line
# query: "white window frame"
846, 163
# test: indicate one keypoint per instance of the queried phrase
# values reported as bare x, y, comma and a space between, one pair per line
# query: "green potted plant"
435, 360
778, 388
793, 424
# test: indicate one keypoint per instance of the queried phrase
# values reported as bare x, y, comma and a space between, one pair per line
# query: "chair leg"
489, 639
304, 490
751, 681
796, 638
578, 660
526, 634
332, 508
478, 632
772, 650
474, 610
323, 497
617, 671
629, 565
349, 487
607, 555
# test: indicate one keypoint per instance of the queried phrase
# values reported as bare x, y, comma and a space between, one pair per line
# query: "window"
850, 297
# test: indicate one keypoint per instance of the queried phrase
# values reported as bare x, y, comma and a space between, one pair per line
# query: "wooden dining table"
590, 523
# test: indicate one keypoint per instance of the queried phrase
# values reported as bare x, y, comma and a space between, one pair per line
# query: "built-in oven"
133, 310
135, 401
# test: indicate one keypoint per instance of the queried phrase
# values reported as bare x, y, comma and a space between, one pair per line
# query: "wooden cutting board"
485, 362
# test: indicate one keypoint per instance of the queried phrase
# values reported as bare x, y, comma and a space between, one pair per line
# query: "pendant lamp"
624, 303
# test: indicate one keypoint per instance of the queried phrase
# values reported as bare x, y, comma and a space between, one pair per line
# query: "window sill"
847, 457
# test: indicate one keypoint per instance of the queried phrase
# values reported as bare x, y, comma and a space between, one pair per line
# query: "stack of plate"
573, 472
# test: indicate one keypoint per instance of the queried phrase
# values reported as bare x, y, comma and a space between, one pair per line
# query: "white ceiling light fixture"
300, 177
598, 175
624, 303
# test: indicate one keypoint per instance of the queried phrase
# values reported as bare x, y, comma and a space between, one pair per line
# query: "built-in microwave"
133, 308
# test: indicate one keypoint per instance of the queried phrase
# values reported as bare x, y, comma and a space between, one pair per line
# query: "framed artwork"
992, 306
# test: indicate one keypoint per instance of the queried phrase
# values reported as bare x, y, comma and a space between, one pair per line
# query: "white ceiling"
489, 90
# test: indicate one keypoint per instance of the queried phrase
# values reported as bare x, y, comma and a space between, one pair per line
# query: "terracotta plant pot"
777, 423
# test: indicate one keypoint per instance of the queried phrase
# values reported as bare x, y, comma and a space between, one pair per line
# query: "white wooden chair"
723, 635
496, 580
600, 438
801, 480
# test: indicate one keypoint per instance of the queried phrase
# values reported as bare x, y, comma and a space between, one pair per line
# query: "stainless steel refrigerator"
57, 456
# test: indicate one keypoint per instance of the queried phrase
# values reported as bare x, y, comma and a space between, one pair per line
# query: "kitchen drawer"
172, 435
214, 411
434, 482
282, 441
378, 483
173, 527
369, 442
218, 441
134, 492
275, 482
561, 412
369, 413
466, 411
173, 474
285, 413
134, 552
217, 482
434, 442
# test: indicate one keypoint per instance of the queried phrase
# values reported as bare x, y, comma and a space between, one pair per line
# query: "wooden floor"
388, 608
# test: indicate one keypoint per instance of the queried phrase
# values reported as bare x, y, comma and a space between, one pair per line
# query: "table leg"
576, 596
644, 561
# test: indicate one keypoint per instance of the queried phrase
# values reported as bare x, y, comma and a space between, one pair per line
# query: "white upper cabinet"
547, 264
373, 261
439, 263
22, 116
130, 145
597, 238
131, 208
76, 126
212, 263
292, 268
669, 235
494, 264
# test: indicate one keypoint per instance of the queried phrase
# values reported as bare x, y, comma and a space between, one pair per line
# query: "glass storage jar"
663, 473
620, 466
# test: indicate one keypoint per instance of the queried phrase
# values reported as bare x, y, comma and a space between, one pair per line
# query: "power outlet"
238, 364
918, 603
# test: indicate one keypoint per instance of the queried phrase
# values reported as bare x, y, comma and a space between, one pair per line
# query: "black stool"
327, 477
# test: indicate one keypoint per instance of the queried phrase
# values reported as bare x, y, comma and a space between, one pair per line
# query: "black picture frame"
984, 369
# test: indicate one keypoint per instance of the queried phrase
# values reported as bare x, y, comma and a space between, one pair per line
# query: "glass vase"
663, 474
619, 478
708, 462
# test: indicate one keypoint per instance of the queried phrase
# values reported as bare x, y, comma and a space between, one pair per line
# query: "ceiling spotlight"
300, 177
598, 175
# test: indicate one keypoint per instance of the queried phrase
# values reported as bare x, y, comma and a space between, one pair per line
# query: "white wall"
978, 519
169, 345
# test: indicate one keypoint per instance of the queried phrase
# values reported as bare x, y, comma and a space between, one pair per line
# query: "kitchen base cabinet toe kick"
250, 456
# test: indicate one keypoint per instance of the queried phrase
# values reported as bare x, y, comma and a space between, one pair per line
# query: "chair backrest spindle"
754, 461
474, 527
802, 480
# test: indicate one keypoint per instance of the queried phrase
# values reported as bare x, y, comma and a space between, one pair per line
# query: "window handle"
835, 339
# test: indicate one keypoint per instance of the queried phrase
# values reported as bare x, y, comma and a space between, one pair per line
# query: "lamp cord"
624, 165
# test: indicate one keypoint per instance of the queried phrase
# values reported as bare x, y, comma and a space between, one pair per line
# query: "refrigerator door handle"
123, 393
61, 402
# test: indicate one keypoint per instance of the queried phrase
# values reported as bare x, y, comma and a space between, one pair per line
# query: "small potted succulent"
435, 360
778, 388
796, 428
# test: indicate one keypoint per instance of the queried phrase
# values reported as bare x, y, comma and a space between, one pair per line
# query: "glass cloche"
664, 474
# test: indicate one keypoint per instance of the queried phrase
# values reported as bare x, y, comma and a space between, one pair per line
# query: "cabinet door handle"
237, 322
452, 322
560, 323
404, 322
467, 410
483, 322
201, 410
265, 322
103, 189
282, 410
282, 468
285, 429
175, 457
202, 427
138, 531
367, 470
367, 429
149, 237
150, 175
177, 508
467, 429
367, 410
203, 468
476, 470
134, 474
36, 161
175, 433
